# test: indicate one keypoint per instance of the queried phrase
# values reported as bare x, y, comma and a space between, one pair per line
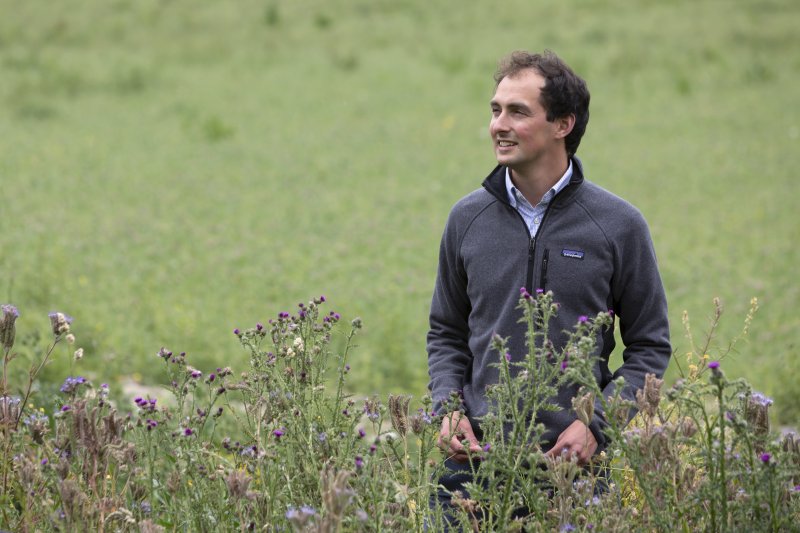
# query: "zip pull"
545, 260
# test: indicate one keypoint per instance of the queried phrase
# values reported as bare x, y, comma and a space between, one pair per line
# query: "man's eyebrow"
514, 106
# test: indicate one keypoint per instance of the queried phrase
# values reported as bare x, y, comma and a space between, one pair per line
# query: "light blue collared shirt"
533, 214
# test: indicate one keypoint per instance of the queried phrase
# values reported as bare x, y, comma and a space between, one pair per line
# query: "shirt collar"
549, 195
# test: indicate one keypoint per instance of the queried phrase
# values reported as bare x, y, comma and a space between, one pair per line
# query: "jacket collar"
495, 182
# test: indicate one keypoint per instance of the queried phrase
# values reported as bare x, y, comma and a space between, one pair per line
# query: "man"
538, 223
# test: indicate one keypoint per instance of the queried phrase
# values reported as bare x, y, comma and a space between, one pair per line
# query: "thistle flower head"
398, 408
756, 412
59, 323
237, 482
9, 410
583, 406
648, 398
7, 325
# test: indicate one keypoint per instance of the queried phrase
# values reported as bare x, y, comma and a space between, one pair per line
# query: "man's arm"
449, 355
640, 305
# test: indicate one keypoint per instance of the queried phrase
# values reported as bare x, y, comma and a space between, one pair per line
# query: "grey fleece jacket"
593, 251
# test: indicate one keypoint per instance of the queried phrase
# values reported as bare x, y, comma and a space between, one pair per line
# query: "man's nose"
499, 123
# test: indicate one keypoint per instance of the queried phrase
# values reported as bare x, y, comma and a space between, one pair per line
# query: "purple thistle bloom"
713, 365
44, 461
322, 299
65, 408
487, 447
372, 449
71, 384
236, 331
188, 432
508, 357
765, 458
196, 374
759, 399
583, 319
539, 291
212, 377
278, 433
259, 326
361, 433
797, 488
359, 462
564, 365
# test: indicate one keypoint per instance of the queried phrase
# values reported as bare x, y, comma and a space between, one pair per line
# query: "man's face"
520, 132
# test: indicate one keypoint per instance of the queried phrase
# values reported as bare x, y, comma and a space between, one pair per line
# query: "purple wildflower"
583, 319
713, 365
236, 332
765, 458
71, 384
188, 432
796, 488
44, 461
539, 291
65, 408
359, 462
564, 365
508, 357
259, 326
759, 399
361, 433
195, 374
279, 433
487, 447
321, 299
372, 449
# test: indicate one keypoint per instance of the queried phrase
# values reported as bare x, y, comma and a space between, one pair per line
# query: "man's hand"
576, 440
455, 429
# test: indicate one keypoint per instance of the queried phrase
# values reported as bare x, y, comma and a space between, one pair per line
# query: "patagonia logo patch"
574, 254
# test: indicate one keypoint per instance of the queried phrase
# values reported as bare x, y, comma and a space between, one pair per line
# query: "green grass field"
172, 170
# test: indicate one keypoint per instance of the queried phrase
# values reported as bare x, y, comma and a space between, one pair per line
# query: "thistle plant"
284, 445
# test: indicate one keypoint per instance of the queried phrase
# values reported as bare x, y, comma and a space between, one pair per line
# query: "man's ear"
564, 126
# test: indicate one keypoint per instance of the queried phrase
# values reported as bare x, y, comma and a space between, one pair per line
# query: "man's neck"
534, 182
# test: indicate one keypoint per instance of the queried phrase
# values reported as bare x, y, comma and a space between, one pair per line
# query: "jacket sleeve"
640, 305
449, 356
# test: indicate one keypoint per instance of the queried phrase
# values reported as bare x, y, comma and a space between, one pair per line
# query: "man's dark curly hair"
564, 93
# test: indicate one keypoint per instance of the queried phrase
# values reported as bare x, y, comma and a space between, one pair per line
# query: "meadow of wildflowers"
283, 446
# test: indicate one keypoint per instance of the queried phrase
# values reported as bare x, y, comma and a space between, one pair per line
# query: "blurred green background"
170, 170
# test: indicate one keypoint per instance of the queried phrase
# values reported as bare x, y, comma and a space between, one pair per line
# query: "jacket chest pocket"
575, 273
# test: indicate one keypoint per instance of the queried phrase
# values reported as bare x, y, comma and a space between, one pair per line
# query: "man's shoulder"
472, 204
607, 206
